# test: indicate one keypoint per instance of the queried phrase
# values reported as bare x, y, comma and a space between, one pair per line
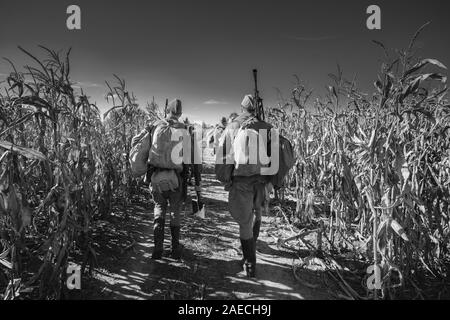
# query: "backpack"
224, 165
163, 151
165, 180
139, 153
234, 161
287, 160
247, 148
223, 170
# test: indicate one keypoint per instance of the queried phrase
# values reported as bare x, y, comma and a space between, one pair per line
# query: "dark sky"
203, 51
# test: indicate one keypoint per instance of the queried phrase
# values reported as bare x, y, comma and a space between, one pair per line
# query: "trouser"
246, 200
171, 200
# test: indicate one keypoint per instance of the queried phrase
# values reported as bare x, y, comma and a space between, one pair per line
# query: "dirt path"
209, 268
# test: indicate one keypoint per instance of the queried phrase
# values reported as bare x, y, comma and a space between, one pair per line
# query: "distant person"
246, 185
168, 179
193, 171
232, 116
218, 131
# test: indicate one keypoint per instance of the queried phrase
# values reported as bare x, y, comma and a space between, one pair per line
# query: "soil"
209, 268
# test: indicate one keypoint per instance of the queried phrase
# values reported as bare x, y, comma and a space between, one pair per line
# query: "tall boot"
250, 265
176, 249
256, 228
158, 236
249, 253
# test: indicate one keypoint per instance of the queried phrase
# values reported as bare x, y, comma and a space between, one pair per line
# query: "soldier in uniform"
247, 192
218, 131
174, 195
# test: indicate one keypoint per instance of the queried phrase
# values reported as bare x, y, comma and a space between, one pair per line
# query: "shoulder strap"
248, 122
175, 124
165, 122
150, 127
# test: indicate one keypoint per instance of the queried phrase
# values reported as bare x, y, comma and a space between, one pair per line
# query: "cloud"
111, 96
79, 85
324, 38
214, 102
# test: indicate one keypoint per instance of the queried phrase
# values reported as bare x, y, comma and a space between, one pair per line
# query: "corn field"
379, 165
382, 164
62, 167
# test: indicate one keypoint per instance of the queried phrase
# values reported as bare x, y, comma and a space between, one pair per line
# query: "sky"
203, 51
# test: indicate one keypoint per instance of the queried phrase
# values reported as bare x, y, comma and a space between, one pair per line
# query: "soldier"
169, 179
218, 131
232, 116
247, 186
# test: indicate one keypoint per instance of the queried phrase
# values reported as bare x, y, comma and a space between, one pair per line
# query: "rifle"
165, 108
258, 101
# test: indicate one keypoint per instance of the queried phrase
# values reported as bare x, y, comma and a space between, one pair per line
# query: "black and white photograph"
245, 152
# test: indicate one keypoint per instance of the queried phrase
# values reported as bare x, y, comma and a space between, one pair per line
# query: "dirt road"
209, 268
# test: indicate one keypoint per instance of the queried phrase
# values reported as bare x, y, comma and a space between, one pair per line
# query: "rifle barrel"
258, 100
165, 108
255, 77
